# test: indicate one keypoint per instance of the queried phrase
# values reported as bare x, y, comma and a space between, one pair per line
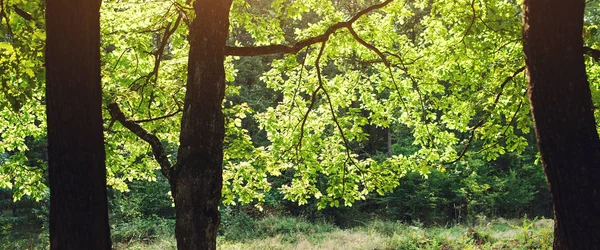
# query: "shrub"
238, 226
144, 230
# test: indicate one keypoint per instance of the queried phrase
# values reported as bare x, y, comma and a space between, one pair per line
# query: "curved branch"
369, 46
506, 81
160, 155
294, 48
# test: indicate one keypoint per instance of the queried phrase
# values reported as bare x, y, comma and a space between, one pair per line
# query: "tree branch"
160, 155
22, 13
334, 118
294, 48
369, 46
594, 53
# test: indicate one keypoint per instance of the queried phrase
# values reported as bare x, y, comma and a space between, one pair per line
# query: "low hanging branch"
160, 155
295, 48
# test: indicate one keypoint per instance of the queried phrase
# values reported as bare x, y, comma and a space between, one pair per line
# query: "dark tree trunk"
197, 179
77, 173
562, 109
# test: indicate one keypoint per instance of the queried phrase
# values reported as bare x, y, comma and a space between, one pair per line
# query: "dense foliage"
416, 111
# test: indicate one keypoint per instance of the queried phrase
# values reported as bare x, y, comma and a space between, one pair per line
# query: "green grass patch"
277, 232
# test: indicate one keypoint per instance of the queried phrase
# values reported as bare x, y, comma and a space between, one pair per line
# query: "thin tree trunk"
197, 179
77, 173
562, 109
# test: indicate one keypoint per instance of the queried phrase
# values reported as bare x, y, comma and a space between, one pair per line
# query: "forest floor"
282, 233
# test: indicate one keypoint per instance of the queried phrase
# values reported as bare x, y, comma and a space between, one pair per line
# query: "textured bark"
562, 109
77, 173
197, 178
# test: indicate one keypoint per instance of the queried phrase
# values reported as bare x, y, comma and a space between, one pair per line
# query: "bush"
144, 230
238, 226
274, 225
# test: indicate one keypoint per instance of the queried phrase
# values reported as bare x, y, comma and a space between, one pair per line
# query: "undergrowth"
276, 232
241, 231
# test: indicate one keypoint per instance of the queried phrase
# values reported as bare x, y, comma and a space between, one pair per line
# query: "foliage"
444, 75
22, 40
507, 187
394, 235
429, 94
294, 233
143, 214
242, 227
22, 113
313, 126
23, 223
145, 200
417, 113
142, 230
452, 84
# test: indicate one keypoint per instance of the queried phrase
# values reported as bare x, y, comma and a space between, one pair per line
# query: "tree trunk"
562, 109
197, 179
77, 173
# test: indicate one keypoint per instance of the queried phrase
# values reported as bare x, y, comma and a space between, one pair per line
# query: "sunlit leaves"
448, 64
132, 34
22, 40
442, 82
22, 140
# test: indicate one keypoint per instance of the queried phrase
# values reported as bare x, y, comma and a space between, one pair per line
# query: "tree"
76, 158
563, 113
197, 177
380, 66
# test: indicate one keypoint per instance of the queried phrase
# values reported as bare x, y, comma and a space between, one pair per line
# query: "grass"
294, 233
275, 232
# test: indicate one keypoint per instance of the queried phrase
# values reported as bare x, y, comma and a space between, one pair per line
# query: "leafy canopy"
451, 72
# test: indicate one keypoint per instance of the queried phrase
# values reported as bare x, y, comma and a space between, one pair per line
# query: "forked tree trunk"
197, 179
562, 109
77, 173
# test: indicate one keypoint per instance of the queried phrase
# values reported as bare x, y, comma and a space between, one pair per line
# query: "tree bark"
197, 179
562, 110
77, 173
